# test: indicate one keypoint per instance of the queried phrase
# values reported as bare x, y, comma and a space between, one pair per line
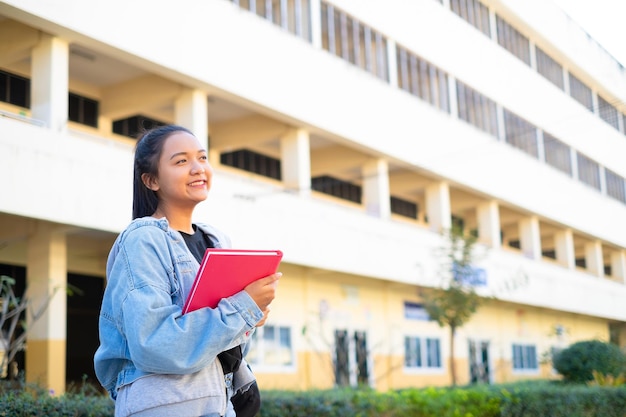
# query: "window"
520, 133
588, 171
615, 186
83, 110
608, 112
422, 352
557, 154
473, 12
336, 187
549, 68
252, 162
346, 37
135, 125
403, 207
422, 79
580, 92
271, 345
291, 15
512, 40
525, 357
14, 89
477, 110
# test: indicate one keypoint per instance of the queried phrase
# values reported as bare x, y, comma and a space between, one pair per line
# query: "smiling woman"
152, 359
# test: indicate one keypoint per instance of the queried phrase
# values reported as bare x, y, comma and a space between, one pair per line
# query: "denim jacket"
142, 329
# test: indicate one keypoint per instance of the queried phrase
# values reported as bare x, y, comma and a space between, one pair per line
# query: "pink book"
225, 272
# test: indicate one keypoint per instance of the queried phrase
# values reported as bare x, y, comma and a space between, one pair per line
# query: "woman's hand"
266, 312
263, 291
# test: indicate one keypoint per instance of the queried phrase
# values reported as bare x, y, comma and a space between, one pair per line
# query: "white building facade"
348, 134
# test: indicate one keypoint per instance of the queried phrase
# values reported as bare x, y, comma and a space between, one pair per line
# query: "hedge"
536, 399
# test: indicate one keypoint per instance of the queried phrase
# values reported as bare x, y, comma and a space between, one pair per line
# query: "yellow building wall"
315, 303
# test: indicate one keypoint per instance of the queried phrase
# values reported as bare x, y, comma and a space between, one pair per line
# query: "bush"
577, 362
21, 400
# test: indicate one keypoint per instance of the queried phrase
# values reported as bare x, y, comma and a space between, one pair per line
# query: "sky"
603, 20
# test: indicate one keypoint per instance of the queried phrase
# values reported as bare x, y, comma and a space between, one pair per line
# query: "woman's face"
184, 177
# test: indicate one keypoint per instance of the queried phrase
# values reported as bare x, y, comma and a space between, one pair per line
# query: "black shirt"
197, 243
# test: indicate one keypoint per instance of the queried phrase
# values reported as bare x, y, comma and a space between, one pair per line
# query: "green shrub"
577, 362
21, 400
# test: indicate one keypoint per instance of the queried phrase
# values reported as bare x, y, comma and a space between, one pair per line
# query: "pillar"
191, 109
49, 82
438, 207
316, 23
618, 266
46, 278
489, 224
376, 195
594, 259
530, 239
564, 248
296, 161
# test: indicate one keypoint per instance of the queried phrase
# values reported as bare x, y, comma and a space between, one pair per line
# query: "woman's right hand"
263, 290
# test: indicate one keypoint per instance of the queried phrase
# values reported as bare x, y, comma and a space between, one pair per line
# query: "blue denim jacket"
142, 331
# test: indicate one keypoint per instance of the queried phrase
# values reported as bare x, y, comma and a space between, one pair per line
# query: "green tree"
456, 300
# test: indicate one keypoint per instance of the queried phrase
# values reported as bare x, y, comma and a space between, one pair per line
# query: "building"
347, 133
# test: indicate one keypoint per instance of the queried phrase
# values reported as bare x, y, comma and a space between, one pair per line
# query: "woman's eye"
181, 161
204, 157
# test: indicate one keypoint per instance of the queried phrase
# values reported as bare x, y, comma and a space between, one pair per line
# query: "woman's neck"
178, 219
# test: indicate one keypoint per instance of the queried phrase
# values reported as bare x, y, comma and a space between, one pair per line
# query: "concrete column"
376, 195
49, 82
316, 23
453, 100
296, 161
489, 224
564, 248
530, 239
618, 266
191, 109
392, 63
438, 207
594, 259
46, 277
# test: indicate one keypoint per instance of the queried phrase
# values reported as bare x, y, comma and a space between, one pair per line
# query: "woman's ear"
149, 181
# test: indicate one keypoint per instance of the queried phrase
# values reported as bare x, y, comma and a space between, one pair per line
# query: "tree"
455, 301
13, 330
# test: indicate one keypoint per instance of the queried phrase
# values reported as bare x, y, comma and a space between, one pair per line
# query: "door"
480, 371
351, 358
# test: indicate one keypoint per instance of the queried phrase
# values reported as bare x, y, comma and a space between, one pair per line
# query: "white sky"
604, 20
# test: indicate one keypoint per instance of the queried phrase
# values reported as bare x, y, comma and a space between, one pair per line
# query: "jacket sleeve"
159, 338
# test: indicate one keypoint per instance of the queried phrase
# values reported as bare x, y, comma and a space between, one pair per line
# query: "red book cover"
225, 272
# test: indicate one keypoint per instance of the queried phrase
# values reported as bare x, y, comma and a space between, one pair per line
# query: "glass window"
580, 92
525, 357
357, 43
615, 186
403, 207
608, 112
422, 352
14, 89
252, 162
588, 171
135, 125
477, 110
271, 345
512, 40
422, 79
337, 188
549, 68
520, 133
83, 110
557, 154
473, 12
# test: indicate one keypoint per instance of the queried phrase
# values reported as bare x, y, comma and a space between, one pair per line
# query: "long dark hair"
147, 154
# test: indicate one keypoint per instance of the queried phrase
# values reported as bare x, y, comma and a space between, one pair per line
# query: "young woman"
153, 360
